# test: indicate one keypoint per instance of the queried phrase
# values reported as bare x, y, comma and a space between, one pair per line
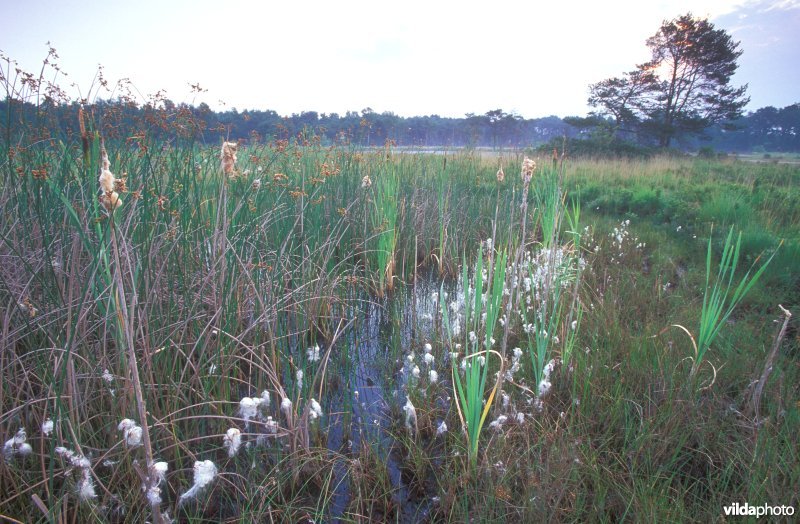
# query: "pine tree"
684, 88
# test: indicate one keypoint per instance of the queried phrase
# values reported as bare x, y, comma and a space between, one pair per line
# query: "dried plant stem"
220, 244
126, 325
755, 401
521, 249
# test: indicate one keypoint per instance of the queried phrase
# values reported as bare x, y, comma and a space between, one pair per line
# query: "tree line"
767, 129
366, 128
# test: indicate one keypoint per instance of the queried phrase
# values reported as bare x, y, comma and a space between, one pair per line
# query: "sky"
411, 58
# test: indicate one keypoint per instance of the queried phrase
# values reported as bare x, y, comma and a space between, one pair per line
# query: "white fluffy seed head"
85, 486
498, 422
316, 409
131, 432
265, 399
433, 376
17, 445
232, 441
126, 423
47, 427
286, 407
160, 470
204, 472
548, 368
133, 436
247, 408
272, 426
411, 415
544, 387
154, 495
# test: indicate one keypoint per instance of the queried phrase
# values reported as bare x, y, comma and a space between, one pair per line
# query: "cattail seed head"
109, 198
228, 158
500, 174
110, 201
528, 167
84, 135
106, 181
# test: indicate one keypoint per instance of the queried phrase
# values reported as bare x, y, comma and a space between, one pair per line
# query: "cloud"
783, 5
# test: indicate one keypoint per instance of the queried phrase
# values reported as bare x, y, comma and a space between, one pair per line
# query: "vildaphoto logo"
764, 510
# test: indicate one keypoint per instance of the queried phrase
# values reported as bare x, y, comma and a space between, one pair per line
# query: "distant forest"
767, 129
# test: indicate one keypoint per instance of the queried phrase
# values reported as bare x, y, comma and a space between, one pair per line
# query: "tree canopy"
683, 89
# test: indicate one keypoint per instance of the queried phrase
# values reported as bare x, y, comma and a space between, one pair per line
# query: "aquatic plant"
480, 317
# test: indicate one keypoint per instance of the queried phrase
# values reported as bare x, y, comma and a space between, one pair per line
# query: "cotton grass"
232, 441
17, 445
131, 433
204, 473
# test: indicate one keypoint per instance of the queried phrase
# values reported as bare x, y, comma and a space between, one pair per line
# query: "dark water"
384, 336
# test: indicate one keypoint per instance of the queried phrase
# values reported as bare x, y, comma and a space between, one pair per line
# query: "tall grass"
718, 302
384, 222
215, 289
480, 316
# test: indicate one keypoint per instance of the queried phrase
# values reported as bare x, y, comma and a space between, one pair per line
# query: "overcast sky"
410, 57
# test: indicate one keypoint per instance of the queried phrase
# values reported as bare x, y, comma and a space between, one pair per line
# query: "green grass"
718, 302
